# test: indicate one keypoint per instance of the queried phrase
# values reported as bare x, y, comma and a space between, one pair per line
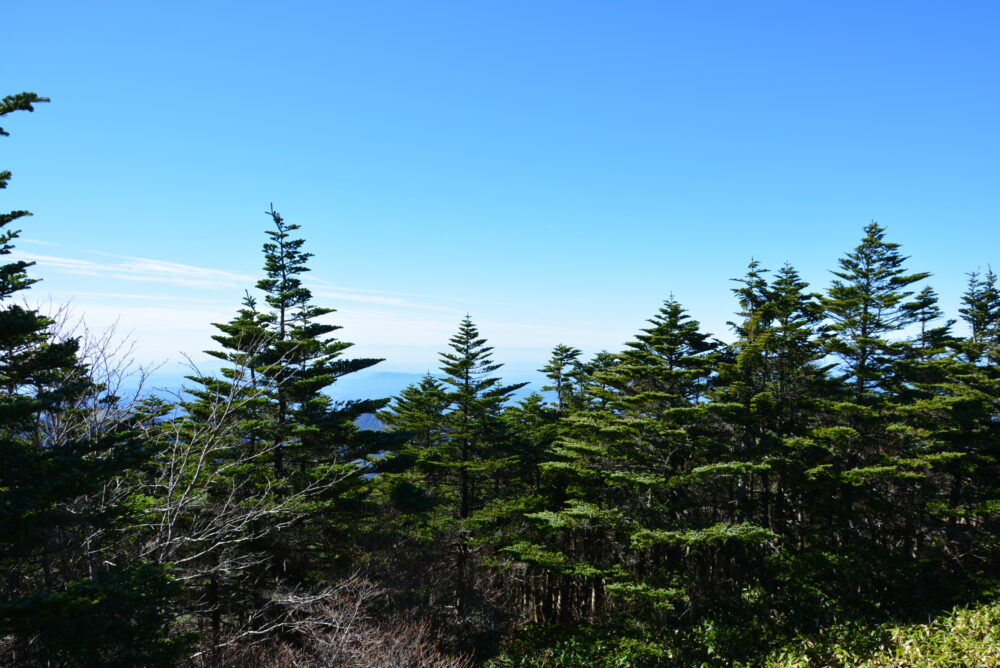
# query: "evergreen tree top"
869, 291
783, 299
752, 292
671, 361
419, 404
469, 368
981, 305
471, 357
13, 276
872, 275
673, 338
19, 102
565, 371
789, 292
283, 262
562, 356
867, 304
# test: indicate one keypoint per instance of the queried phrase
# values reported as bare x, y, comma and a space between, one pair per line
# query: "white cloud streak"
332, 286
140, 269
159, 298
409, 328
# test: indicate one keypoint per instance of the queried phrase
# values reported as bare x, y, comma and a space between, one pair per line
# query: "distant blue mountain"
368, 422
367, 384
372, 385
380, 384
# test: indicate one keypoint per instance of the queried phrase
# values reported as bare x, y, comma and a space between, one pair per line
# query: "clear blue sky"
555, 169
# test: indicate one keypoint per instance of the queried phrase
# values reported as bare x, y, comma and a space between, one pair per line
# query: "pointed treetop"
563, 369
670, 361
469, 367
283, 262
471, 356
981, 306
13, 276
867, 305
876, 259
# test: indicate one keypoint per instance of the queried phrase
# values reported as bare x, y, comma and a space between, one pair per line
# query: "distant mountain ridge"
369, 422
390, 383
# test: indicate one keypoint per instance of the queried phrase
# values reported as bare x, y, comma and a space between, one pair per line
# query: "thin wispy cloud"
159, 298
379, 299
162, 268
36, 241
141, 269
177, 317
320, 281
148, 270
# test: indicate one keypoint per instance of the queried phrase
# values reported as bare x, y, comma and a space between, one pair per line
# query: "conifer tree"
226, 430
244, 340
531, 426
878, 469
279, 361
477, 397
63, 600
419, 410
981, 312
952, 428
302, 361
668, 365
594, 392
564, 370
772, 380
924, 311
417, 472
867, 304
316, 443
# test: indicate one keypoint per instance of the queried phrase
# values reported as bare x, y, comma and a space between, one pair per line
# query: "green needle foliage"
302, 360
477, 398
565, 371
284, 468
56, 524
866, 304
981, 312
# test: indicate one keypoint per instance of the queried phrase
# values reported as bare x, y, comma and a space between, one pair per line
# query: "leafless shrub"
200, 507
334, 628
114, 381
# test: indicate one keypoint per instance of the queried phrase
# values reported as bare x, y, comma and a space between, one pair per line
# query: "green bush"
965, 637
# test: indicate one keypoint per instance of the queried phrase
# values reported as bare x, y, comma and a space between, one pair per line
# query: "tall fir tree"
981, 312
416, 470
226, 429
565, 370
477, 397
244, 341
868, 304
925, 313
769, 390
305, 503
303, 360
877, 468
63, 600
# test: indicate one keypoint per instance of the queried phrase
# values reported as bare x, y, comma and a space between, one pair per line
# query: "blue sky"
555, 169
